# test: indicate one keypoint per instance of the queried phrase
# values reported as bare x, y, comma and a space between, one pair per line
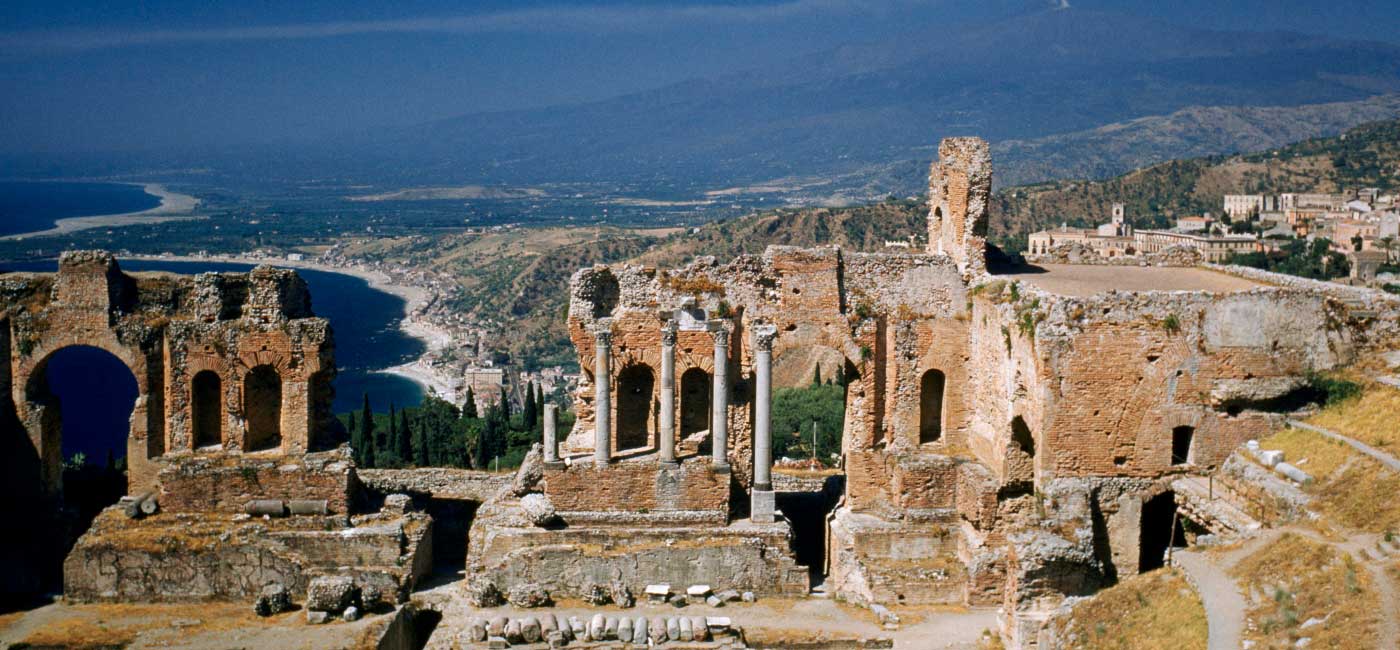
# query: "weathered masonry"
233, 374
1008, 439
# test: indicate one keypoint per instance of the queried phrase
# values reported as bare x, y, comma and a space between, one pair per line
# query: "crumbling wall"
959, 186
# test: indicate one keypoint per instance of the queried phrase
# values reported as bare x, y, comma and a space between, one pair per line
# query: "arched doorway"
262, 408
695, 402
931, 406
87, 395
635, 388
206, 409
1161, 528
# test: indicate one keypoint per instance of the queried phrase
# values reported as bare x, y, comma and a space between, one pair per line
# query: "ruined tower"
959, 186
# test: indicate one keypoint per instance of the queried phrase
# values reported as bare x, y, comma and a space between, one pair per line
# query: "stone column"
763, 504
668, 393
602, 401
551, 433
719, 416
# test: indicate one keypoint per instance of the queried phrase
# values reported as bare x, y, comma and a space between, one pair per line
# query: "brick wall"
641, 486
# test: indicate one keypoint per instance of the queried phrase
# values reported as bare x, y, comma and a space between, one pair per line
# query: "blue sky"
78, 76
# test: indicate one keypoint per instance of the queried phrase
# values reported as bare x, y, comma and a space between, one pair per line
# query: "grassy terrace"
1152, 611
1299, 588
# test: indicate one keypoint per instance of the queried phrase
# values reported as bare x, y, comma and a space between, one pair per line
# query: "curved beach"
173, 207
434, 338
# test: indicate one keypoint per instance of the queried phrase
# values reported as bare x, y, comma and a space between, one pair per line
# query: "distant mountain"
1191, 132
860, 109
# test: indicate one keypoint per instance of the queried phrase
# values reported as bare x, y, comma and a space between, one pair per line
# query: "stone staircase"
1215, 511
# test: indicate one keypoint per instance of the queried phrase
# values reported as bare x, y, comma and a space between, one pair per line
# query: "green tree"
367, 434
405, 440
817, 376
527, 411
797, 410
469, 406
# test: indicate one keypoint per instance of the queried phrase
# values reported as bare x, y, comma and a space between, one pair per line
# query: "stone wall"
225, 483
690, 486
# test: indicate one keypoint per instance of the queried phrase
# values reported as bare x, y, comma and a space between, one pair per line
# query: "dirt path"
1388, 627
1223, 601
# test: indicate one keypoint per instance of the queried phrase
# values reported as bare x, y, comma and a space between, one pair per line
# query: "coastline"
173, 207
434, 338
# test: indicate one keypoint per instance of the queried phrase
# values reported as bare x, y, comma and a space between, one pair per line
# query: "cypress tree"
528, 413
539, 401
469, 407
367, 434
817, 376
422, 455
405, 440
389, 446
357, 440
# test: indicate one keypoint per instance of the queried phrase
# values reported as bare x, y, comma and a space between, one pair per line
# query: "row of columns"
763, 336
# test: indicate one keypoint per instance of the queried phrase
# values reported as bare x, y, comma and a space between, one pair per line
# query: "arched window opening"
931, 406
635, 386
262, 408
206, 406
1021, 436
1181, 444
695, 402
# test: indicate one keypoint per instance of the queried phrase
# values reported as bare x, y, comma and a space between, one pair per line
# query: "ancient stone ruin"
232, 420
1010, 439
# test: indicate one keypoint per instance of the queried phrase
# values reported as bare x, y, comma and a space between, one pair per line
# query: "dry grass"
118, 625
1360, 497
1347, 482
1373, 417
1323, 455
1293, 580
1152, 611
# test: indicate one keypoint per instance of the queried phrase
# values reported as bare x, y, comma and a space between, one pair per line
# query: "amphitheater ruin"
1011, 439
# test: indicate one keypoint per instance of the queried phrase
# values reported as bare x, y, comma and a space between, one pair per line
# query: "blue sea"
34, 206
367, 338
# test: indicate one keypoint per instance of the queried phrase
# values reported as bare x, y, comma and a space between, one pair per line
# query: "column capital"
763, 336
668, 333
717, 329
602, 331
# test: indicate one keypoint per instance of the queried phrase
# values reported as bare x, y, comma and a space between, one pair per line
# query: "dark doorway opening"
808, 511
695, 402
931, 406
452, 519
206, 406
1181, 444
1161, 529
635, 388
262, 408
94, 393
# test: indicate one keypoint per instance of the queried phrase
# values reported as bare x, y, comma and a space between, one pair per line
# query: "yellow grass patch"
117, 625
1152, 611
1323, 455
1295, 579
1373, 417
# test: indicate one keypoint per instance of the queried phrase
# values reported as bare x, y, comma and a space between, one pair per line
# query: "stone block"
763, 507
497, 643
1269, 457
538, 510
658, 593
698, 591
331, 594
621, 594
698, 630
315, 617
351, 614
274, 599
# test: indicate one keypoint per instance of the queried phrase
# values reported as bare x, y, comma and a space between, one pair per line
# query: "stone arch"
635, 405
207, 409
262, 408
1020, 454
931, 389
695, 402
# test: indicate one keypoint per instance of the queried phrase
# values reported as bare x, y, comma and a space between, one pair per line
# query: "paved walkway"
1380, 456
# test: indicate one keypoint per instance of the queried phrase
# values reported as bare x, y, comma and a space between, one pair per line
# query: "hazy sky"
89, 76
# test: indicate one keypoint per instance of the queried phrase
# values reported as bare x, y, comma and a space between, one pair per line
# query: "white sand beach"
173, 207
434, 338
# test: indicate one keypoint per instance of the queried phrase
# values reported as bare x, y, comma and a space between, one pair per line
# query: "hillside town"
1362, 225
